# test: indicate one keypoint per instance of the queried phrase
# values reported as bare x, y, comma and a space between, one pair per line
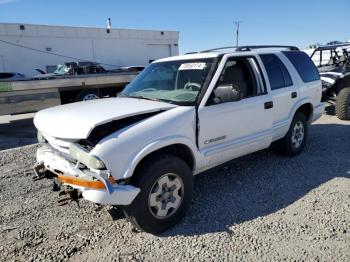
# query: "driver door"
234, 128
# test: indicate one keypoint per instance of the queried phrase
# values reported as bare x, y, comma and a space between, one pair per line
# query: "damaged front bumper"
97, 186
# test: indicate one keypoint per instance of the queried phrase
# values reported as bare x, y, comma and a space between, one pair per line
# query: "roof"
189, 57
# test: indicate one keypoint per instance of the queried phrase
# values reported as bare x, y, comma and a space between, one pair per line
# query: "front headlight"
82, 155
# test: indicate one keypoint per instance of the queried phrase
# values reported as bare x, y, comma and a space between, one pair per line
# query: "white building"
24, 47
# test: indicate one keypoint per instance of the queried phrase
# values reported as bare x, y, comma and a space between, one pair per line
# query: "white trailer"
18, 97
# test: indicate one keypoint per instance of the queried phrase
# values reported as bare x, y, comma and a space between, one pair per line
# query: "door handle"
294, 94
268, 105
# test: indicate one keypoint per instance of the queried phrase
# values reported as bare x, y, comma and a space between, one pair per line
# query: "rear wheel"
342, 107
294, 141
166, 184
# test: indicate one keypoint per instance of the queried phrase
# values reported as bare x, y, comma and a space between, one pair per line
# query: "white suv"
182, 115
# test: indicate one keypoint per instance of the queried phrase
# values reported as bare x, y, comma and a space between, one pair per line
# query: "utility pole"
237, 31
109, 25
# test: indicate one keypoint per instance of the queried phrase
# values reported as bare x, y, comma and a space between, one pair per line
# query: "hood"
77, 120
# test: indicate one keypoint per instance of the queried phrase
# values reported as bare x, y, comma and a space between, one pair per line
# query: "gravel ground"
261, 207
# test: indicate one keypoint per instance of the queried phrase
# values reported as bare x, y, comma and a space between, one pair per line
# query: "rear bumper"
95, 185
318, 111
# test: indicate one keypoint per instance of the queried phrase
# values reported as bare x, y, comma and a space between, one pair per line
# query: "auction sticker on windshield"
192, 66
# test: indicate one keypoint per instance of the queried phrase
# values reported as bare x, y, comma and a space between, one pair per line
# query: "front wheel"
294, 141
166, 184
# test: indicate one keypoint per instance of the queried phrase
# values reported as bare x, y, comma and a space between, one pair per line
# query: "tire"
294, 141
342, 107
173, 174
86, 95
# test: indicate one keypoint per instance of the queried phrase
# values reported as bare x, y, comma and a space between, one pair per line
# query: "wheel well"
306, 109
69, 96
180, 150
342, 83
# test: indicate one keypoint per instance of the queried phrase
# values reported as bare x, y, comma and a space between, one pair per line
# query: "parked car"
181, 116
334, 43
71, 68
333, 63
11, 76
133, 68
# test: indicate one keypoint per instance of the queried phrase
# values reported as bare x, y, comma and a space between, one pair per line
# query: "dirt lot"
261, 207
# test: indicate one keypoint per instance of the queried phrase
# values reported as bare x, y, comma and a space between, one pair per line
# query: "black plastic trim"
203, 91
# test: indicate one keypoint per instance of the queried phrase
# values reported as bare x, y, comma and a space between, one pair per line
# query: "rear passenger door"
283, 90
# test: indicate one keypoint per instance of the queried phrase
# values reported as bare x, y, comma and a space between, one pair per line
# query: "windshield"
178, 82
61, 69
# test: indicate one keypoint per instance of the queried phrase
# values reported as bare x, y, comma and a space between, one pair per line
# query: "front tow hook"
39, 170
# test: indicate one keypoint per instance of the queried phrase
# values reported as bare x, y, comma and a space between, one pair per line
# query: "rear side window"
303, 64
276, 71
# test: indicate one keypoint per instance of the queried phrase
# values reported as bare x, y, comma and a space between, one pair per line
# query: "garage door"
158, 51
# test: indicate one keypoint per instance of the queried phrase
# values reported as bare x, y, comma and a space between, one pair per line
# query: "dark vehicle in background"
334, 43
70, 69
333, 63
133, 68
11, 76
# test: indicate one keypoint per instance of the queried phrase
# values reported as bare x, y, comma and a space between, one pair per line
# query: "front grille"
59, 144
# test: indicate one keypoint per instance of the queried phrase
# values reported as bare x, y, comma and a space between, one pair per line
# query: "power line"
52, 53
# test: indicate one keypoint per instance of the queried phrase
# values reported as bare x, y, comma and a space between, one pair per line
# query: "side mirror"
227, 93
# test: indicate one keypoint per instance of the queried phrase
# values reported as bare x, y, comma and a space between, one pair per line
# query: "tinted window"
303, 64
276, 71
286, 75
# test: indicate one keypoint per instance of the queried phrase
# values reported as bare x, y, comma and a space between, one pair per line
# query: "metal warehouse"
24, 47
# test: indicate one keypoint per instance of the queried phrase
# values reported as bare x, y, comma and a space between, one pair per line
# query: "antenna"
237, 23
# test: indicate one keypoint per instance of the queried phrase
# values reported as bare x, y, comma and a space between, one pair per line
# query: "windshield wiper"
139, 97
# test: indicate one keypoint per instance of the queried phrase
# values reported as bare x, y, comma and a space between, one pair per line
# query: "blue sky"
202, 24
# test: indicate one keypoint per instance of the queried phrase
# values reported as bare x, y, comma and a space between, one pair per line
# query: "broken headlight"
82, 155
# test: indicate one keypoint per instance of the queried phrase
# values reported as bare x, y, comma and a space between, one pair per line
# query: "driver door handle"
268, 105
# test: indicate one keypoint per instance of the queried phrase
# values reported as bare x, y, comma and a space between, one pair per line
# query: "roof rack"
328, 47
219, 48
246, 48
190, 53
250, 47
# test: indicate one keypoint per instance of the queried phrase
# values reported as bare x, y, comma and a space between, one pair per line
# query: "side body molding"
158, 144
